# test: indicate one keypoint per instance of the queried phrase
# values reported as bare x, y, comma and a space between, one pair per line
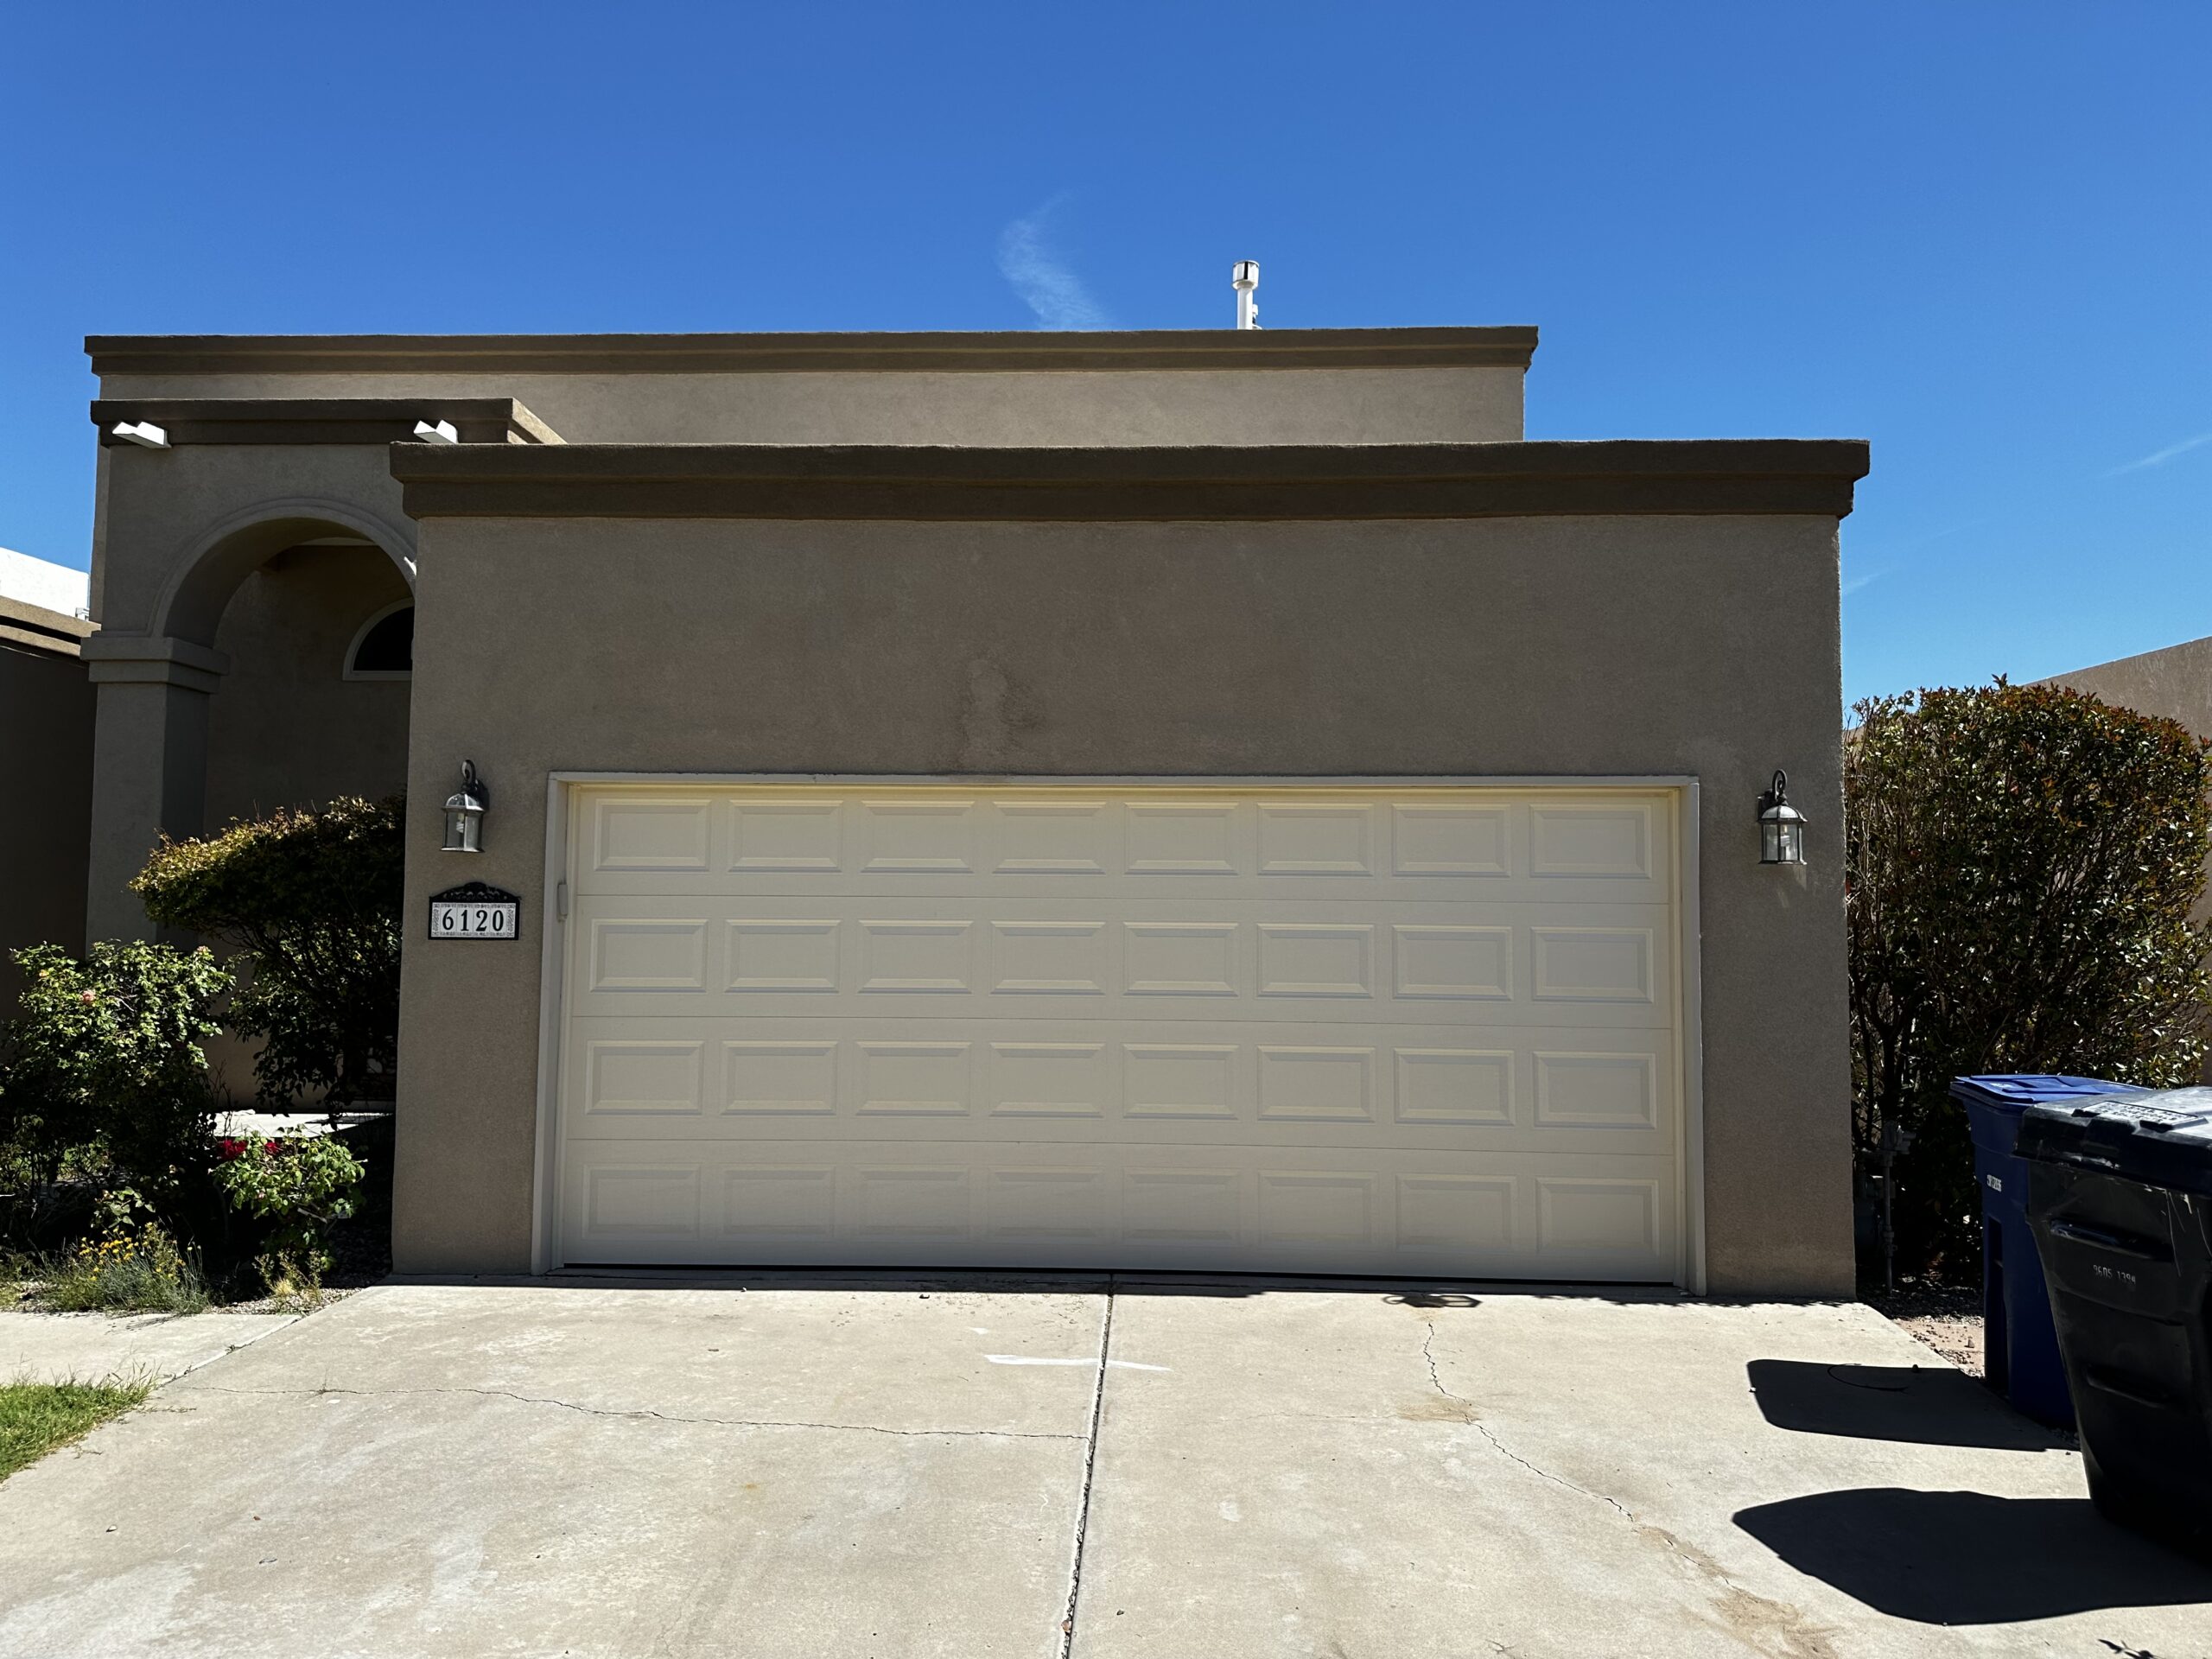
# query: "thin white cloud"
1857, 582
1028, 261
2161, 457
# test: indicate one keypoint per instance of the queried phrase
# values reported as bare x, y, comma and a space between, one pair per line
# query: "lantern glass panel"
462, 829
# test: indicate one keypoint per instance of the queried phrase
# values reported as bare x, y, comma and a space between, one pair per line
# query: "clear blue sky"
1980, 235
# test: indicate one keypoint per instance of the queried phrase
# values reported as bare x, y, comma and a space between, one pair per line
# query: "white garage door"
1356, 1030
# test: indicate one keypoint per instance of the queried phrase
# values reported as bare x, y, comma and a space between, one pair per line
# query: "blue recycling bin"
2019, 1341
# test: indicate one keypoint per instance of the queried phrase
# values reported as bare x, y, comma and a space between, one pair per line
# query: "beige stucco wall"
1572, 647
2175, 683
284, 727
45, 798
1073, 407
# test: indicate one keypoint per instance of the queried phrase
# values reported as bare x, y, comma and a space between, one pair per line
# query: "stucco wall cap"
934, 352
1754, 475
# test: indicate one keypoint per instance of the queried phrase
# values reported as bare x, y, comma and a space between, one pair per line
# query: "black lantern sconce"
1782, 826
465, 813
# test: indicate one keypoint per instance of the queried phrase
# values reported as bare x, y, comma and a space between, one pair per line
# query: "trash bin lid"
2161, 1138
2015, 1092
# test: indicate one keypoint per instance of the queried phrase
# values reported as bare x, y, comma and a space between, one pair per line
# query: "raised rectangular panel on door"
1294, 1027
787, 837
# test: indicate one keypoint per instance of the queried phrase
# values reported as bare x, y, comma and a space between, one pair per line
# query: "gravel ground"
1947, 1317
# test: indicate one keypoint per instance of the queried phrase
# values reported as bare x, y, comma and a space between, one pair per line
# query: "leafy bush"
140, 1272
103, 1072
304, 1185
313, 899
2020, 866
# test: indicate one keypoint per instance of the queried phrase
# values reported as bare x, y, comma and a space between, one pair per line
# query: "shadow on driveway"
1928, 1405
1966, 1558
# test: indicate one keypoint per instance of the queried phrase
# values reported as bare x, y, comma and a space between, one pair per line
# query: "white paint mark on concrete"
1230, 1512
1111, 1364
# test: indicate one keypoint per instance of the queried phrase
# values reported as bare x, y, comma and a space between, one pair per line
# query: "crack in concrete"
1499, 1446
662, 1416
1744, 1613
1435, 1381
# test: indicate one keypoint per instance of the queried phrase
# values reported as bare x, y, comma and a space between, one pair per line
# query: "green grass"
37, 1418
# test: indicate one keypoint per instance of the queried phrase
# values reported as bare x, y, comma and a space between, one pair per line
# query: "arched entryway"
297, 720
237, 695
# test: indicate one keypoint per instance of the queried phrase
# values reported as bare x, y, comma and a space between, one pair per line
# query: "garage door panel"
1120, 958
1584, 845
896, 1205
1560, 1088
1303, 1029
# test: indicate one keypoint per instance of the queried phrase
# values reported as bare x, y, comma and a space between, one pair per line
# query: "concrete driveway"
794, 1466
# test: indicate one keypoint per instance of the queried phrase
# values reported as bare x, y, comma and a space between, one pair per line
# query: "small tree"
104, 1069
313, 899
2020, 864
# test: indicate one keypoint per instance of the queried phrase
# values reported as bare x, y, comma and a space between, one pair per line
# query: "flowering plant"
135, 1269
305, 1184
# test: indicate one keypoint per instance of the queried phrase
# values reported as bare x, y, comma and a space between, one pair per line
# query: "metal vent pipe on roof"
1245, 279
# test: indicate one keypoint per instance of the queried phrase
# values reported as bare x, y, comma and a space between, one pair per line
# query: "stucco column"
149, 765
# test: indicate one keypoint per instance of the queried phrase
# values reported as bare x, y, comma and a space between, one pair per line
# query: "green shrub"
102, 1072
313, 900
303, 1185
139, 1272
2020, 866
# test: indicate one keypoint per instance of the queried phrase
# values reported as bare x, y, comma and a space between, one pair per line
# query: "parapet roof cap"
1027, 352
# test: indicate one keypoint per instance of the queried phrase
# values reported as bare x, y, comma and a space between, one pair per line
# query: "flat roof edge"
1029, 351
1750, 475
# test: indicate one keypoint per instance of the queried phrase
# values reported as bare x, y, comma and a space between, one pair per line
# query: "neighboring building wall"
2176, 683
1567, 646
284, 727
46, 758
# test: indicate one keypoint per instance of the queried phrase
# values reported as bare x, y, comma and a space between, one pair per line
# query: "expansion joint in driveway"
1090, 1463
656, 1416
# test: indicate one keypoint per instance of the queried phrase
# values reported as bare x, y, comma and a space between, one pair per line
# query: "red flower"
272, 1148
230, 1148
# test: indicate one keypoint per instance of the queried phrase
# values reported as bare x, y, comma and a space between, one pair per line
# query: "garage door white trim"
1688, 1227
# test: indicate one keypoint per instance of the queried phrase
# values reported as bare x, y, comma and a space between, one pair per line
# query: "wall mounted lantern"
1782, 826
465, 813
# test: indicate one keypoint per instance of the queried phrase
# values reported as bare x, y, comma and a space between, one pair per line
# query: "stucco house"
1162, 800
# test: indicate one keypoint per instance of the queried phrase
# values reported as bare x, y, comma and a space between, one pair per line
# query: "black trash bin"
2119, 1195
